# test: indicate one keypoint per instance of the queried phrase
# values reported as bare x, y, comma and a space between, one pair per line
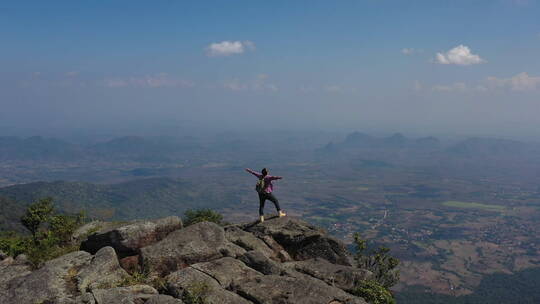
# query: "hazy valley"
454, 212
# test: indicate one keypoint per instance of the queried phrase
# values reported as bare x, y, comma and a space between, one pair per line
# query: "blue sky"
464, 67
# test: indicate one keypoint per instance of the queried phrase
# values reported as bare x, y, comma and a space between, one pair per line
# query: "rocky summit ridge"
281, 261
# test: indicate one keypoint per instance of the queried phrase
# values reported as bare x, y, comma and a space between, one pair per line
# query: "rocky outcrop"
248, 241
280, 261
260, 262
343, 277
303, 241
129, 295
10, 270
163, 299
103, 270
293, 290
54, 282
197, 243
192, 282
127, 239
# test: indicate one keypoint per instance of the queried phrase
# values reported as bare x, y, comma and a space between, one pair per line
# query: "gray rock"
302, 240
21, 259
10, 271
341, 276
85, 298
227, 271
2, 255
56, 280
247, 240
128, 239
7, 261
197, 243
273, 289
163, 299
136, 294
192, 281
103, 270
93, 227
260, 262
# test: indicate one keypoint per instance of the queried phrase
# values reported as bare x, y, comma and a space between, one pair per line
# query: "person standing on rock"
265, 188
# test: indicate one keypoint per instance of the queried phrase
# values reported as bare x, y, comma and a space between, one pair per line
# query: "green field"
472, 205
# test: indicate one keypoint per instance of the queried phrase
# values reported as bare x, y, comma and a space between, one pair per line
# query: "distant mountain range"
470, 147
357, 140
129, 147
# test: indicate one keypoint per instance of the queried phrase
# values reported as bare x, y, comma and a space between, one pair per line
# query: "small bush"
385, 274
136, 278
378, 261
373, 292
14, 244
196, 293
202, 215
51, 234
37, 214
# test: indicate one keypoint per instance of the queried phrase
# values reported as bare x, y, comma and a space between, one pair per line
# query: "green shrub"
202, 215
37, 214
373, 292
385, 274
378, 261
196, 293
51, 234
14, 244
63, 226
47, 250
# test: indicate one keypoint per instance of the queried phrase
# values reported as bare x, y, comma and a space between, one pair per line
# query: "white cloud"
460, 55
260, 83
161, 80
519, 82
455, 87
228, 48
411, 51
339, 89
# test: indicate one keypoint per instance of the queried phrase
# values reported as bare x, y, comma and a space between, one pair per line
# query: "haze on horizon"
449, 67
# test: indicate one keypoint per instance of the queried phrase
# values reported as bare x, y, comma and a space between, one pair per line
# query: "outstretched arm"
257, 174
275, 177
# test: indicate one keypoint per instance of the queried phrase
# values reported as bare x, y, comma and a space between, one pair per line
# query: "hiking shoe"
261, 219
282, 214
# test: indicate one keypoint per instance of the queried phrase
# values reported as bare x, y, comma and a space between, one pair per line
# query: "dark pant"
267, 196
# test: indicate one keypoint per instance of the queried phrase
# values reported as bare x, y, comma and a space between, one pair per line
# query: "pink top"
268, 187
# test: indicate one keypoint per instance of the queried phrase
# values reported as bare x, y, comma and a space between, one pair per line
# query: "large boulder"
190, 282
103, 271
344, 277
125, 295
163, 299
128, 239
272, 289
55, 282
302, 240
227, 271
9, 270
248, 241
197, 243
260, 262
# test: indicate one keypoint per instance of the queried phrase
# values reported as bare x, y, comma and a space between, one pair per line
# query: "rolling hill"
142, 198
